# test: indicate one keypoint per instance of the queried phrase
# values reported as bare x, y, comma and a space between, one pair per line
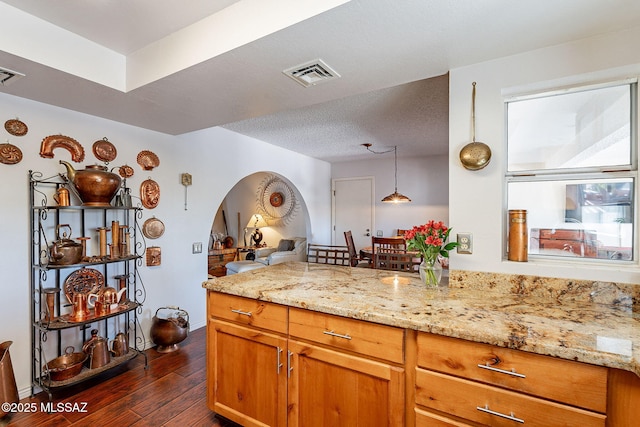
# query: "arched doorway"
255, 194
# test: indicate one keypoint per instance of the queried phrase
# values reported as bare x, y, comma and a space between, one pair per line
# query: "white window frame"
601, 172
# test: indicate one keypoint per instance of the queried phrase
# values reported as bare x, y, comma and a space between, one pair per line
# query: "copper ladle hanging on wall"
475, 155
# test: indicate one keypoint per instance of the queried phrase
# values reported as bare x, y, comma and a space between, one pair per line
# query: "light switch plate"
196, 248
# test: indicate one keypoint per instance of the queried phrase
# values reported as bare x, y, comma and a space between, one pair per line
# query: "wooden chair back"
395, 243
398, 260
353, 252
326, 254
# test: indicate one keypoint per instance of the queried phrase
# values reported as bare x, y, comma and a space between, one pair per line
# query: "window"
572, 164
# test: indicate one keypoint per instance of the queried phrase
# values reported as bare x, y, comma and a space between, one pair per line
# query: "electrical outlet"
196, 248
465, 243
379, 233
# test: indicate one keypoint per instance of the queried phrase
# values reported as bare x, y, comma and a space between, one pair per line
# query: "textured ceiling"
221, 62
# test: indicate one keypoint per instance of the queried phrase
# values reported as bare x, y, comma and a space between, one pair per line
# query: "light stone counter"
592, 322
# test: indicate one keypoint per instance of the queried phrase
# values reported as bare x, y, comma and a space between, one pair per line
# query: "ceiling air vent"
7, 76
312, 73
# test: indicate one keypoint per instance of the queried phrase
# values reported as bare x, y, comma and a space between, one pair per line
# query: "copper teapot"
95, 185
108, 297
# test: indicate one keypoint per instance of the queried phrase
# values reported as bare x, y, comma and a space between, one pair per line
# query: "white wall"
216, 158
424, 180
476, 198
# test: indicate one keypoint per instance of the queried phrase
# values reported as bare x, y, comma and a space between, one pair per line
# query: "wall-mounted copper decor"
148, 160
51, 142
154, 256
104, 150
149, 193
125, 171
15, 127
10, 154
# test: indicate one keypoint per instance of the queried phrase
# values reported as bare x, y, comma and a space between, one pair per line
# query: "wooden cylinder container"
518, 235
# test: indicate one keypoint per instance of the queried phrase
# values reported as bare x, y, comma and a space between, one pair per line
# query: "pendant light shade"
396, 197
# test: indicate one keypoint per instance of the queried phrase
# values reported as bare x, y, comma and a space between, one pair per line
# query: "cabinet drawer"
247, 311
371, 339
429, 419
497, 407
565, 381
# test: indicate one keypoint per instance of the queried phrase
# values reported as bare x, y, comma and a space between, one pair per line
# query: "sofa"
292, 249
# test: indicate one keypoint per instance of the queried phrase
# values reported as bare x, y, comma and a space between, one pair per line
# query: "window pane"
577, 218
583, 129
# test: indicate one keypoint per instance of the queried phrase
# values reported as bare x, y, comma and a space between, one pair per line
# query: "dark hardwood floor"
171, 392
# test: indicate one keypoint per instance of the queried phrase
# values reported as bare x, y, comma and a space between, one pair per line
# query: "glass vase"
430, 273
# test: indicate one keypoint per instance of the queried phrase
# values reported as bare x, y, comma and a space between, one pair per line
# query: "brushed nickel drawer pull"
278, 361
502, 371
244, 313
498, 414
289, 365
333, 334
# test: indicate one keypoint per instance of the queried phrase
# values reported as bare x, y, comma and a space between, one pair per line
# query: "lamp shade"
257, 221
396, 197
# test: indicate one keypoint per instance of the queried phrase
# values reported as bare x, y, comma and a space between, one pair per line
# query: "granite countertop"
590, 322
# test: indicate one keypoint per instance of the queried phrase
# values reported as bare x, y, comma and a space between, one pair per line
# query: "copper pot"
66, 366
168, 328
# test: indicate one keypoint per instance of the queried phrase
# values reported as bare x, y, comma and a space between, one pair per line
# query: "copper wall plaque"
154, 256
149, 193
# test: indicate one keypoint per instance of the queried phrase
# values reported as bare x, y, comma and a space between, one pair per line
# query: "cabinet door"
329, 388
249, 375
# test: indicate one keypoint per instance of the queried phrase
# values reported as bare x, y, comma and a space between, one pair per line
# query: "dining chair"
380, 245
356, 258
327, 254
398, 260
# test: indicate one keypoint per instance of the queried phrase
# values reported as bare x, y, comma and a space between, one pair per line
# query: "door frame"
334, 240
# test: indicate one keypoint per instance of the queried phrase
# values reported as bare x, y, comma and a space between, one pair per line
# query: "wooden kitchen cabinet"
343, 373
259, 374
496, 386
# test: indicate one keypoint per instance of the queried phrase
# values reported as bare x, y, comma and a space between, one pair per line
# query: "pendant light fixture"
394, 197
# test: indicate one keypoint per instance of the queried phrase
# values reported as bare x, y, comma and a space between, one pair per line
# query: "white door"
353, 210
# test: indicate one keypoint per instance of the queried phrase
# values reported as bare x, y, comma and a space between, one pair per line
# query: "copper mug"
62, 197
80, 309
101, 308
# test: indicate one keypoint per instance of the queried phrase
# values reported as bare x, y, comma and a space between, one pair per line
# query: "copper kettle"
65, 251
98, 350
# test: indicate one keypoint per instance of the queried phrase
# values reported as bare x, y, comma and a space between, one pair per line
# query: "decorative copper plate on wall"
149, 193
148, 160
15, 127
10, 154
104, 150
153, 228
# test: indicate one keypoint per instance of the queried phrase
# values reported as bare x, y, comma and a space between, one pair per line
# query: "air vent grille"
312, 73
8, 76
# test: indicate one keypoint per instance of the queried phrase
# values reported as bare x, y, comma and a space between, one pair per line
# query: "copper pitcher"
120, 344
8, 387
97, 349
62, 197
80, 309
